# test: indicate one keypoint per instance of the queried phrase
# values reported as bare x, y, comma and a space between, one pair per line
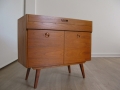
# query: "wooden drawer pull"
47, 34
78, 36
64, 20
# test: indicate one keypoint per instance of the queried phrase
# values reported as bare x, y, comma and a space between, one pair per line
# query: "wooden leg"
36, 77
69, 68
27, 73
82, 70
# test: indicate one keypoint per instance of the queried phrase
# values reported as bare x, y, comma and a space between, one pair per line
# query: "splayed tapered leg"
27, 73
82, 70
69, 68
36, 78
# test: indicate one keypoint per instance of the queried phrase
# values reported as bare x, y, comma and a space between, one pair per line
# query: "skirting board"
105, 55
4, 65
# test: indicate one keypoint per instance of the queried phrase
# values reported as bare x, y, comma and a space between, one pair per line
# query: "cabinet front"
77, 47
45, 48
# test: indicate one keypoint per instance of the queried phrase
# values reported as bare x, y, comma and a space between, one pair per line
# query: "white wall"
105, 15
30, 6
10, 11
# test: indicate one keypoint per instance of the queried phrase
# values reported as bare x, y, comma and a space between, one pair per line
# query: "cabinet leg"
69, 68
82, 70
36, 77
27, 73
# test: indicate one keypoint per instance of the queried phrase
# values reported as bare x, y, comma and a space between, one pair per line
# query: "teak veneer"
45, 41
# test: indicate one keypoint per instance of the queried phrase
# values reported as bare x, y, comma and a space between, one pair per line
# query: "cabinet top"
55, 23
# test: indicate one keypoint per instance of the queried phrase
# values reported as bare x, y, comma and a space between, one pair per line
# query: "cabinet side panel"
22, 44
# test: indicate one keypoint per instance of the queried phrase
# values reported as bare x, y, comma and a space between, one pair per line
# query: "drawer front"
77, 47
57, 23
60, 20
45, 47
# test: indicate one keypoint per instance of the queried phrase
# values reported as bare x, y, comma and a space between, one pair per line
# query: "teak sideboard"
45, 41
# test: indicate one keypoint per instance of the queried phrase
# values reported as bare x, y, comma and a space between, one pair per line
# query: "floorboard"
101, 74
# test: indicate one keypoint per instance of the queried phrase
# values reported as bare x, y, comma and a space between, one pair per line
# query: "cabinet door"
77, 47
45, 47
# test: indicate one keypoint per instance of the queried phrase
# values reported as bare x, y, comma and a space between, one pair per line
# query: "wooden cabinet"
45, 41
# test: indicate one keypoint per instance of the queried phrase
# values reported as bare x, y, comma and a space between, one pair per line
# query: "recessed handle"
78, 36
47, 34
64, 20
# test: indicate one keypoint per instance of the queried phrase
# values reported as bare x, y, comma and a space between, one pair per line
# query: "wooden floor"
101, 74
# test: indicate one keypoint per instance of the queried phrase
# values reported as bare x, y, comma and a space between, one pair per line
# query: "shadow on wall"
8, 49
10, 11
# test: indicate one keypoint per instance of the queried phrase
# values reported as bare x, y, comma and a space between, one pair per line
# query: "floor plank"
101, 74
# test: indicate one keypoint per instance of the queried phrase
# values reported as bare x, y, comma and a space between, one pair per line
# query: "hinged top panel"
57, 23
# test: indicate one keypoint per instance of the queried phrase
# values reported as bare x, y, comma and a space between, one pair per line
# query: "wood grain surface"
22, 41
77, 47
51, 19
54, 26
45, 51
57, 23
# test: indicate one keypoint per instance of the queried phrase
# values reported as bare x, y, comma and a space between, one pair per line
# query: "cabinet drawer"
57, 23
57, 20
45, 47
77, 47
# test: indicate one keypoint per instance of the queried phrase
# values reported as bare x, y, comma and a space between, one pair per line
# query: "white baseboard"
7, 63
105, 55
